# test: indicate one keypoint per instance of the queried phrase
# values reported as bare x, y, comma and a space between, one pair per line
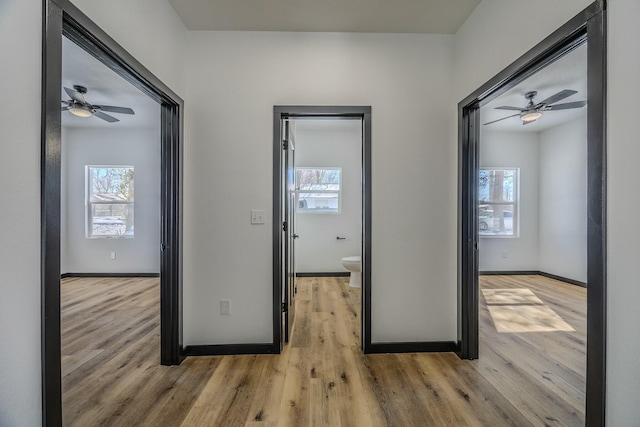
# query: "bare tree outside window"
110, 201
498, 202
318, 190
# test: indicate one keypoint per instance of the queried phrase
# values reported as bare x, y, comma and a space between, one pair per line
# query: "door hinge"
284, 226
285, 145
163, 247
284, 307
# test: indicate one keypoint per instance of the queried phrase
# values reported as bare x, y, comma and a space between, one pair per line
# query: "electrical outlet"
505, 254
113, 255
257, 216
225, 307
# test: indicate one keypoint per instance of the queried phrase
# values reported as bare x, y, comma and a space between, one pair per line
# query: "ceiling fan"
533, 111
78, 106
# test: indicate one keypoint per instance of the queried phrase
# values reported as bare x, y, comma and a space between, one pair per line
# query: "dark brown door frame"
60, 17
589, 26
321, 112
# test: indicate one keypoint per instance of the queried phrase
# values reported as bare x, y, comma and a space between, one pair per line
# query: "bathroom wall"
99, 146
330, 143
520, 150
563, 200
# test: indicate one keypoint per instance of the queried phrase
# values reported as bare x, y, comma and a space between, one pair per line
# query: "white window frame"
339, 191
515, 204
89, 204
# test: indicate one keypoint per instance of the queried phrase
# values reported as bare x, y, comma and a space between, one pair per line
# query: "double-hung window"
109, 201
318, 190
498, 211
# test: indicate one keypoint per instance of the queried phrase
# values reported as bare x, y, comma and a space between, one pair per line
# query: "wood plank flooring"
112, 376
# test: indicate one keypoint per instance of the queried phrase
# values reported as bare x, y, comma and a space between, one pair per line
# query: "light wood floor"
111, 374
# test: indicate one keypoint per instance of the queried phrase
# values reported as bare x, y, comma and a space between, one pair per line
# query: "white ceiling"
105, 87
362, 16
569, 72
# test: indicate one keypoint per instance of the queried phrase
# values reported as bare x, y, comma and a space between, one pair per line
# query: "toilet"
354, 265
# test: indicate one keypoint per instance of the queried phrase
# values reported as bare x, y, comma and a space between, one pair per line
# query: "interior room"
228, 65
328, 234
533, 263
547, 231
110, 252
328, 223
132, 141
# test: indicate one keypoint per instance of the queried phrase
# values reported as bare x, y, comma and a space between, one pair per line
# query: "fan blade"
112, 109
504, 118
506, 107
105, 117
75, 95
65, 107
558, 96
567, 106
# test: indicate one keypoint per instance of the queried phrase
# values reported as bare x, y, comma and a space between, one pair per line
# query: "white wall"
513, 149
139, 148
623, 292
500, 31
563, 200
235, 79
20, 390
553, 200
493, 37
149, 30
330, 143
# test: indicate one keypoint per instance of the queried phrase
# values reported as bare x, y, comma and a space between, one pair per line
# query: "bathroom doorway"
322, 214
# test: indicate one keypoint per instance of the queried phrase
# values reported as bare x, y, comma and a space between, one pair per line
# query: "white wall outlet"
113, 255
225, 307
257, 216
505, 254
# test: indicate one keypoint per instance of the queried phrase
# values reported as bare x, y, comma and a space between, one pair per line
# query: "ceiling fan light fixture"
530, 116
80, 111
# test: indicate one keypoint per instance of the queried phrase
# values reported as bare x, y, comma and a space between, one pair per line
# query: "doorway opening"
291, 200
587, 27
109, 232
62, 19
532, 225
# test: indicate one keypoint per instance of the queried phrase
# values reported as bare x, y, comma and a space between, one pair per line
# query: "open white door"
288, 228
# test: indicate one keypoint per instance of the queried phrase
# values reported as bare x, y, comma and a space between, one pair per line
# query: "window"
109, 201
498, 202
318, 190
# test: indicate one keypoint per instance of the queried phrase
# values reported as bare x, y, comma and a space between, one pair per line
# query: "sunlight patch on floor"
520, 310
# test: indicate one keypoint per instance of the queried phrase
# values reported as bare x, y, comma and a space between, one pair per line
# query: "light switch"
257, 217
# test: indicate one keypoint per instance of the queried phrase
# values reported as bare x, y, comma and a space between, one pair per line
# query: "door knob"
295, 236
